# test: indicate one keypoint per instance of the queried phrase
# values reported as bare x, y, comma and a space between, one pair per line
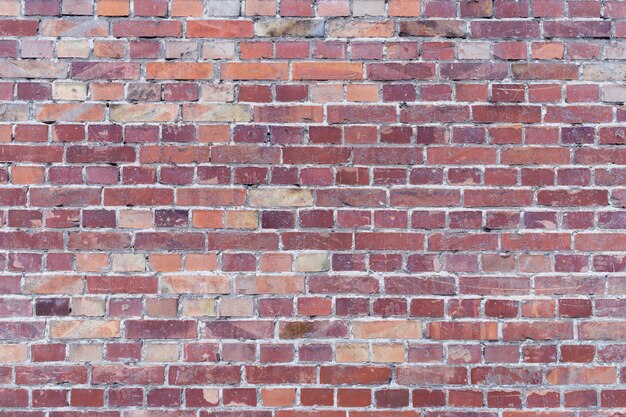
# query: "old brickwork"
330, 208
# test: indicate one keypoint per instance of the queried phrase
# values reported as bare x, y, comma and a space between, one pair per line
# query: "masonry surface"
331, 208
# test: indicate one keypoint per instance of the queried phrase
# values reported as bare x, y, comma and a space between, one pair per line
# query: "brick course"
332, 208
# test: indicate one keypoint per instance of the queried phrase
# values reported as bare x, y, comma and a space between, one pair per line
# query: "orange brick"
201, 262
165, 262
255, 71
91, 262
71, 112
179, 70
213, 133
327, 71
113, 7
260, 7
362, 92
187, 8
208, 219
404, 8
278, 397
275, 262
27, 174
220, 29
107, 91
241, 219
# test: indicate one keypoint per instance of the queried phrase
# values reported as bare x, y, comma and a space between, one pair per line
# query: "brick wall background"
333, 208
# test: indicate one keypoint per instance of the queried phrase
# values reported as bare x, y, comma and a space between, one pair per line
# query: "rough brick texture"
330, 208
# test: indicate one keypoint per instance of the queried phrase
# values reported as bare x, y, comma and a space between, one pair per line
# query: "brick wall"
331, 208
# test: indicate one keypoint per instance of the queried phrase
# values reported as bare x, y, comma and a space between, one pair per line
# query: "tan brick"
85, 352
70, 90
388, 353
236, 307
280, 197
387, 329
91, 262
312, 262
127, 262
241, 219
161, 352
352, 352
73, 48
84, 329
88, 306
135, 219
13, 353
195, 284
143, 112
193, 307
53, 284
216, 113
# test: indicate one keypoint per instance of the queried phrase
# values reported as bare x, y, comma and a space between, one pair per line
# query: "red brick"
357, 208
220, 29
256, 71
147, 28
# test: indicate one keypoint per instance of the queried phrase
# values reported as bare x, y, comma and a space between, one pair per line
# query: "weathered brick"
147, 28
33, 69
434, 28
254, 71
362, 29
306, 28
194, 284
143, 112
179, 71
216, 113
281, 194
220, 29
274, 197
81, 329
160, 329
327, 71
104, 70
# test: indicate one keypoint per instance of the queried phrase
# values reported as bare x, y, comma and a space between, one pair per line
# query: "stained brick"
294, 208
